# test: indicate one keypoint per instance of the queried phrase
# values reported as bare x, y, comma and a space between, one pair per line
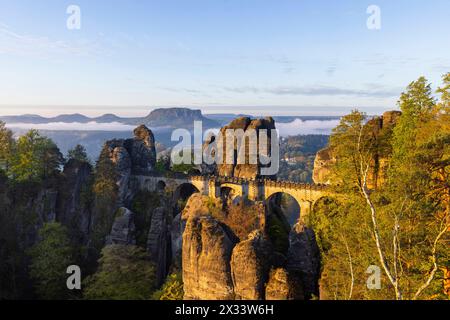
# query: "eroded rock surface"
247, 170
380, 128
158, 243
123, 230
207, 252
250, 264
304, 257
284, 285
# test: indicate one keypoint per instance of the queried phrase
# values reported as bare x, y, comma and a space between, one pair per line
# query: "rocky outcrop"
72, 209
131, 156
207, 249
158, 243
142, 150
284, 285
323, 164
381, 130
123, 230
176, 236
247, 170
217, 265
250, 264
304, 257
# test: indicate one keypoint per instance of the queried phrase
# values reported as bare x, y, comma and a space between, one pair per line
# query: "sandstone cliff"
247, 170
131, 156
381, 128
217, 265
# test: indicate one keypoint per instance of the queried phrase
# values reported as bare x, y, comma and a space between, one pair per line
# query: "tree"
124, 273
78, 153
407, 217
35, 158
172, 288
50, 258
6, 146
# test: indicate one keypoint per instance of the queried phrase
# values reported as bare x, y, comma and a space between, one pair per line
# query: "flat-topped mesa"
381, 128
246, 170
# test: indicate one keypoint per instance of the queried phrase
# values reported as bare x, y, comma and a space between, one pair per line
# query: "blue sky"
240, 56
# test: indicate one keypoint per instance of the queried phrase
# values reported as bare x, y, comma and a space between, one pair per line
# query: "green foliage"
172, 288
35, 158
6, 146
278, 234
105, 192
49, 261
143, 205
412, 207
124, 273
78, 153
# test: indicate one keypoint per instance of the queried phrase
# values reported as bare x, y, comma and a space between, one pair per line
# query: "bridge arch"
184, 191
236, 189
161, 185
290, 207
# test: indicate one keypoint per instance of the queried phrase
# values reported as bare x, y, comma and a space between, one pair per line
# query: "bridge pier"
305, 210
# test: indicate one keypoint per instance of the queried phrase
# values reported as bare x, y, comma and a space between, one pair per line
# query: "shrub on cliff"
49, 261
124, 273
172, 288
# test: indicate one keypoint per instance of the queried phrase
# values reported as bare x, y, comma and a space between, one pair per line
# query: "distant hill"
168, 117
177, 117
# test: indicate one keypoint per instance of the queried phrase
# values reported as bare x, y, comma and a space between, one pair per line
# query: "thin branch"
350, 262
444, 227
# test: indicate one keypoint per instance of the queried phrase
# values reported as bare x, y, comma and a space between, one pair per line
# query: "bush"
124, 273
172, 288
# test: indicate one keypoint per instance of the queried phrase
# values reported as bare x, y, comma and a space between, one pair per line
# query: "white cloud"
299, 126
12, 42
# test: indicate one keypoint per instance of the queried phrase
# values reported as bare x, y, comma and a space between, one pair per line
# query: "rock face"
123, 230
71, 211
322, 166
247, 170
176, 236
217, 265
131, 156
250, 264
284, 285
207, 252
142, 150
158, 243
304, 257
381, 129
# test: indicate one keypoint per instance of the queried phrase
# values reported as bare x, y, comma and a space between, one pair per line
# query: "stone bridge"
306, 195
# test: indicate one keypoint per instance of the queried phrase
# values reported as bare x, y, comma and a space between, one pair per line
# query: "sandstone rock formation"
158, 243
284, 285
247, 170
217, 265
304, 257
131, 156
207, 252
123, 230
250, 264
381, 129
71, 211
